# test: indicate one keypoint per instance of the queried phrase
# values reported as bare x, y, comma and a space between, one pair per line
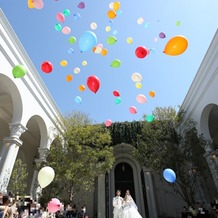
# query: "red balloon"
93, 83
46, 67
141, 52
116, 93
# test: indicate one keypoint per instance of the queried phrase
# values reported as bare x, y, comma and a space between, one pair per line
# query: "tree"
161, 145
85, 155
18, 180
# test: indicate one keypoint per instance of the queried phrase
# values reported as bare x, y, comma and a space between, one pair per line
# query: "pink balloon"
81, 5
55, 201
66, 30
141, 99
108, 123
60, 17
53, 208
38, 4
133, 110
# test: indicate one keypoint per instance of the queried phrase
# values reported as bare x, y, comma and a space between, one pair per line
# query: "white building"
29, 118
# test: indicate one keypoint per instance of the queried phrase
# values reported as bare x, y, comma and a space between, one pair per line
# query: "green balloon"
111, 40
66, 12
72, 40
116, 63
118, 100
19, 71
178, 23
150, 118
58, 27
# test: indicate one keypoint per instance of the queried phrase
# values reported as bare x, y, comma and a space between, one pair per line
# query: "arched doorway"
124, 178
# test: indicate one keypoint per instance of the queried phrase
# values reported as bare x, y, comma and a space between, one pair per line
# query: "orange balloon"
82, 88
69, 78
152, 93
104, 52
94, 48
116, 6
111, 14
30, 4
176, 46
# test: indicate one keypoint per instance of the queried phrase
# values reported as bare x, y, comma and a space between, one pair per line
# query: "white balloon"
111, 5
98, 50
136, 77
76, 70
45, 176
93, 25
140, 20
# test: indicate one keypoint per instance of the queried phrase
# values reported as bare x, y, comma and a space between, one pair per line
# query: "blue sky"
169, 76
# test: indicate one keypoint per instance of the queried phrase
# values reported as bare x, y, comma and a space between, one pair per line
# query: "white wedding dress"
129, 208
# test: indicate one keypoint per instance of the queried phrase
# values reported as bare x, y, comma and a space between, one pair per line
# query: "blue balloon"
76, 16
169, 175
70, 50
87, 41
78, 100
111, 23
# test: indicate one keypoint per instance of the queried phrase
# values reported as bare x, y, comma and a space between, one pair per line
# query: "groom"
117, 203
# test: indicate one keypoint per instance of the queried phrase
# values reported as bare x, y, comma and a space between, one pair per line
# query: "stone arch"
209, 122
9, 92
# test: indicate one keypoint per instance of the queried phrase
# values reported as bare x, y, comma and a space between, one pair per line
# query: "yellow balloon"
138, 85
46, 176
63, 63
116, 6
129, 40
30, 4
176, 46
84, 63
108, 29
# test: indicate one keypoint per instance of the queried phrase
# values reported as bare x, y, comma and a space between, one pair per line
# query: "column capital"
43, 152
16, 129
12, 140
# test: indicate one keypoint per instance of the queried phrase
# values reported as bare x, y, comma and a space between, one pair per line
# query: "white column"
101, 196
9, 153
150, 194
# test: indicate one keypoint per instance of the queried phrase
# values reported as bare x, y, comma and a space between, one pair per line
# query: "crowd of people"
10, 208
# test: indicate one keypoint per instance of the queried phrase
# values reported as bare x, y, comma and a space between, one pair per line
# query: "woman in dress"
130, 210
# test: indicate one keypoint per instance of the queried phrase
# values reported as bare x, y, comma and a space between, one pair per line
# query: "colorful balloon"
111, 5
150, 118
93, 83
87, 41
66, 30
136, 77
72, 40
140, 20
169, 175
76, 16
115, 32
60, 17
140, 98
19, 71
70, 50
93, 26
30, 4
63, 63
104, 52
152, 93
38, 4
176, 46
108, 123
76, 70
111, 14
98, 50
111, 40
54, 205
162, 35
118, 100
78, 99
108, 28
129, 40
116, 93
133, 110
46, 67
69, 78
84, 63
45, 176
178, 23
81, 5
141, 52
138, 85
115, 63
81, 88
119, 12
58, 27
116, 6
66, 12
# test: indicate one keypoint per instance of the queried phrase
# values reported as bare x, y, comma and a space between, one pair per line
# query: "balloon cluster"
99, 49
114, 9
38, 4
61, 18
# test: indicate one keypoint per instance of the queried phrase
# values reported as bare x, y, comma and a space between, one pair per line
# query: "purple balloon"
162, 35
81, 5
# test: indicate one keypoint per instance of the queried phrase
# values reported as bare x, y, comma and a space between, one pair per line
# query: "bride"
129, 208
